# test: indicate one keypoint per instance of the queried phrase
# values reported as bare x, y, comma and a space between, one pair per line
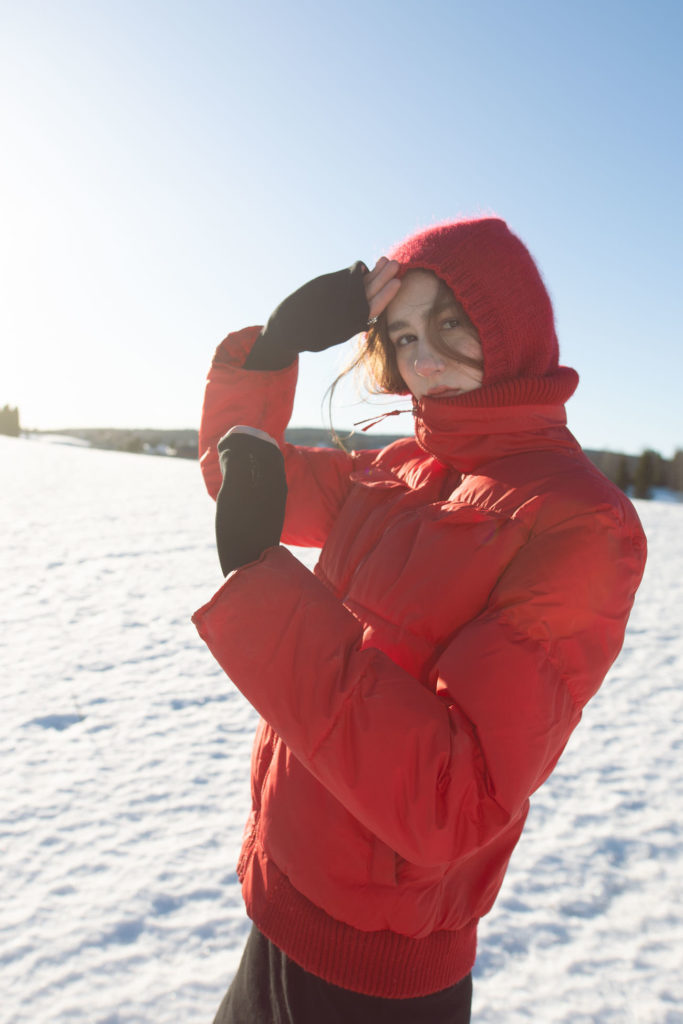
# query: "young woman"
472, 591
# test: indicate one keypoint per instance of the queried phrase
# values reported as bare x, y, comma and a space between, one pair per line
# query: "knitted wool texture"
492, 274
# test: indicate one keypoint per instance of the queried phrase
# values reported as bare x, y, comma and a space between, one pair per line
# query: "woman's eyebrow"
439, 307
453, 304
397, 325
422, 314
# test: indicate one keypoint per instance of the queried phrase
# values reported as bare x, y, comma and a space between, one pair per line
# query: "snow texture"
125, 755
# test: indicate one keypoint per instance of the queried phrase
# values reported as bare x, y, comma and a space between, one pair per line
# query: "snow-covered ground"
124, 754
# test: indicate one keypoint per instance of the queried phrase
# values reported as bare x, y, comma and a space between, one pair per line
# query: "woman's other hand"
381, 285
250, 507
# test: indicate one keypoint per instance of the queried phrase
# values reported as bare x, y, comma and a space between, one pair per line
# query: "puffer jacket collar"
466, 438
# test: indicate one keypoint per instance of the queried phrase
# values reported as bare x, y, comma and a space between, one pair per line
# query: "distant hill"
620, 468
183, 443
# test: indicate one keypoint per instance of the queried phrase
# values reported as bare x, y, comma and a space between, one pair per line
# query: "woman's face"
414, 323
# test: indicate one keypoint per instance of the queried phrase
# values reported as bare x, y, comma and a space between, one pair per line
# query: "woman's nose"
427, 361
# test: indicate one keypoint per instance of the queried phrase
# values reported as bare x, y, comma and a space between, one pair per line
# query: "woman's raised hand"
381, 285
322, 313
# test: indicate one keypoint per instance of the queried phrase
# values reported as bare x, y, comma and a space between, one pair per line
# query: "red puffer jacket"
472, 591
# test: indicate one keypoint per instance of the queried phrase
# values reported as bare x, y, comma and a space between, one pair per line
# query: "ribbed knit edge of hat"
553, 389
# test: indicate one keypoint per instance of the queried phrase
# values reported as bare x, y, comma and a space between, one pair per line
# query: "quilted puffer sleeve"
433, 774
317, 478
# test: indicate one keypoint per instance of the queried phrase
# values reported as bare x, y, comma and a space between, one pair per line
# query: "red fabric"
554, 388
471, 594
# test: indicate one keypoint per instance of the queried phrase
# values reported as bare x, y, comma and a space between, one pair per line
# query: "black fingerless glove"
325, 312
250, 507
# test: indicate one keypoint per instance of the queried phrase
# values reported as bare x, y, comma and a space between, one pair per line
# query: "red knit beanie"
492, 274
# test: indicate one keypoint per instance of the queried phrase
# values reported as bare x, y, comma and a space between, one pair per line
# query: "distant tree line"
9, 421
637, 475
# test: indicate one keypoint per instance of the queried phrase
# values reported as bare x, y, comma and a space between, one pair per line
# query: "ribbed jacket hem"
377, 963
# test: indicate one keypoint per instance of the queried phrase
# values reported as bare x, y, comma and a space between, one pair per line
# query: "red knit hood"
492, 274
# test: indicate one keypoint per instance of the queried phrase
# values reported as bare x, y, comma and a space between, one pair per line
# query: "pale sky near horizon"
171, 171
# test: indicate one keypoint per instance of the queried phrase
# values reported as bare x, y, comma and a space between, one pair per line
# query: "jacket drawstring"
373, 420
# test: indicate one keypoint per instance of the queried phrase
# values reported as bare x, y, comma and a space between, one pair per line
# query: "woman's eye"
403, 340
450, 325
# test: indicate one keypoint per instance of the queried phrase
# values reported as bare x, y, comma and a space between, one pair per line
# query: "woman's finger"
383, 272
379, 302
383, 268
381, 262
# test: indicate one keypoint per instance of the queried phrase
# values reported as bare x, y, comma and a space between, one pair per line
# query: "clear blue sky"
171, 170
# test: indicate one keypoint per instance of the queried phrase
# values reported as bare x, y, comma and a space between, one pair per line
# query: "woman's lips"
443, 392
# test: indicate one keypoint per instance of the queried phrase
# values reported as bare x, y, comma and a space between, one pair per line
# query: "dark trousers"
270, 989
